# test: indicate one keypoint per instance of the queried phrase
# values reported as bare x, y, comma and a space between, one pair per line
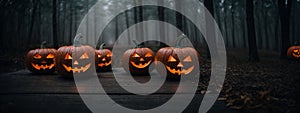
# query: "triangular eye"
109, 55
84, 56
37, 56
68, 56
171, 59
135, 55
50, 55
99, 56
296, 50
148, 54
188, 59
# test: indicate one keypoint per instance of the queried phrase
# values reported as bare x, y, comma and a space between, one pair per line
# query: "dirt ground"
268, 86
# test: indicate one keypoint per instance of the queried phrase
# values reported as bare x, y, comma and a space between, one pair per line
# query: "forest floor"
268, 86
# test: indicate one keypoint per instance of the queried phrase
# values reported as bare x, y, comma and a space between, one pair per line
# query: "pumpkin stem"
43, 44
296, 43
136, 44
180, 38
76, 42
101, 46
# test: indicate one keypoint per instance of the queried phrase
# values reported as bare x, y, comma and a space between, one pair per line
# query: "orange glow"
84, 56
76, 69
188, 59
136, 55
68, 56
50, 55
148, 54
140, 65
109, 55
171, 59
37, 56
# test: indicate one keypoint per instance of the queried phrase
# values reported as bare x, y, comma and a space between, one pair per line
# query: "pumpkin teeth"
140, 65
44, 67
179, 71
296, 55
76, 69
104, 64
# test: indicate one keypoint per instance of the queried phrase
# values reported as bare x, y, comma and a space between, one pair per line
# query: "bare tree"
54, 24
284, 7
253, 54
210, 28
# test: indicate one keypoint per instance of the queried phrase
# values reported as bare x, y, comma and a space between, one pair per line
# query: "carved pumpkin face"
71, 59
177, 61
294, 52
41, 60
103, 60
138, 60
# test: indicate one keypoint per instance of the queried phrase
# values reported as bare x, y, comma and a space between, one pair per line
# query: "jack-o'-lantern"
103, 58
176, 60
41, 61
138, 60
74, 59
294, 52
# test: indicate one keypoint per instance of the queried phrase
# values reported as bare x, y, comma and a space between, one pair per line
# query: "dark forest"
262, 39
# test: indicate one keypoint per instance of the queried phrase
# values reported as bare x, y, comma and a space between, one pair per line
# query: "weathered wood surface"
23, 92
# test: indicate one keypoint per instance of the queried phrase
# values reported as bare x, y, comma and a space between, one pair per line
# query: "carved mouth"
297, 55
44, 67
140, 65
104, 64
76, 69
179, 71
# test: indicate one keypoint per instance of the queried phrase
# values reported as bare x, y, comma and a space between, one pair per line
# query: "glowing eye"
37, 56
84, 56
135, 55
68, 56
148, 55
187, 59
109, 55
50, 55
296, 50
99, 56
172, 59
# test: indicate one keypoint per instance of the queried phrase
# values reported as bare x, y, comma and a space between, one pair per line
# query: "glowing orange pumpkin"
137, 60
41, 61
74, 59
103, 58
294, 52
176, 60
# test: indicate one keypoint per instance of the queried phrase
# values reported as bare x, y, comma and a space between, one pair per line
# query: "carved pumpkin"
177, 61
74, 59
103, 58
294, 52
41, 61
138, 60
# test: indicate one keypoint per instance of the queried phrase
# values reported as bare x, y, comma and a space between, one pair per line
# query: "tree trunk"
54, 24
253, 54
210, 28
284, 12
226, 24
233, 24
127, 27
161, 17
33, 14
71, 24
87, 20
179, 22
